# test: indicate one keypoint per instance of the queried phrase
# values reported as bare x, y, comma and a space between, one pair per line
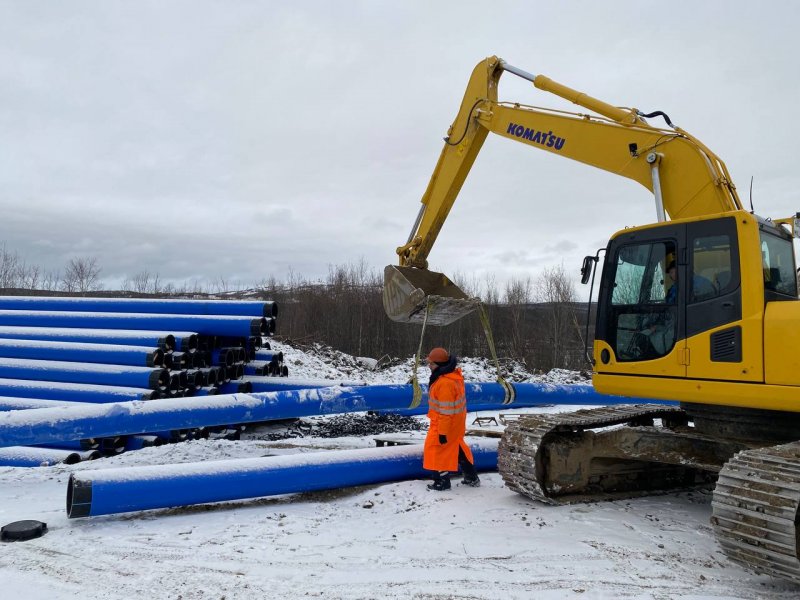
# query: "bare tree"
144, 282
9, 268
81, 275
556, 290
518, 296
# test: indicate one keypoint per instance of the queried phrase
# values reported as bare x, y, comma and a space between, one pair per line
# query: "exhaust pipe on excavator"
408, 293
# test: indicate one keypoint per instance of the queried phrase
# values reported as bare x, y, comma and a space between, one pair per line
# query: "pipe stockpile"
110, 491
81, 350
247, 308
53, 425
108, 354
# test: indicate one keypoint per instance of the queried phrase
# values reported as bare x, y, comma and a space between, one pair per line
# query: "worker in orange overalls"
445, 448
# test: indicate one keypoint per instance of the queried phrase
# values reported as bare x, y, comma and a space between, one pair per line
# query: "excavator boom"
686, 178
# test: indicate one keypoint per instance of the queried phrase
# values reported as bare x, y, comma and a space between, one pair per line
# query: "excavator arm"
686, 178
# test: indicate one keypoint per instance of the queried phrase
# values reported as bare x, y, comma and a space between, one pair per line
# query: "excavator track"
523, 447
755, 510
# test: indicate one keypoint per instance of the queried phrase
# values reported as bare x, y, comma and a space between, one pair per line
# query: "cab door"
720, 344
641, 319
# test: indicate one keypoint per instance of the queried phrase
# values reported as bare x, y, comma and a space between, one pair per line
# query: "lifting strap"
509, 393
416, 399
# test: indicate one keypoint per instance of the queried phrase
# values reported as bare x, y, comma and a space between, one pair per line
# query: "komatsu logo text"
545, 138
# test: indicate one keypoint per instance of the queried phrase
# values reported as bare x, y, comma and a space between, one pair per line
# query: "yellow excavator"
700, 307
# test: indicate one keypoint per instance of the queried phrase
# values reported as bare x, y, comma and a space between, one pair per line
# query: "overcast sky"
205, 139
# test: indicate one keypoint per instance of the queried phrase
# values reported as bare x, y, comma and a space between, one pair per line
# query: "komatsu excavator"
725, 342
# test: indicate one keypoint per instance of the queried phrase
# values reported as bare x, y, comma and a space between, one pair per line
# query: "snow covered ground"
395, 540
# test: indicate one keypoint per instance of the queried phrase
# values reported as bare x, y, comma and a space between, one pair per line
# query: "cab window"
777, 263
711, 264
643, 307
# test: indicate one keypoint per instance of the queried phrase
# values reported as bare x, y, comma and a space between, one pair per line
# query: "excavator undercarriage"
627, 451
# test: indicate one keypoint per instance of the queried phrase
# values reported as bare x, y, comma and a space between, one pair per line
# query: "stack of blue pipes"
56, 350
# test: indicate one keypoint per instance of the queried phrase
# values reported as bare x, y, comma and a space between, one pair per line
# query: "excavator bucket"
408, 290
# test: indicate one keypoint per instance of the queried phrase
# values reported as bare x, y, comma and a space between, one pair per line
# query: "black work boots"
441, 482
468, 469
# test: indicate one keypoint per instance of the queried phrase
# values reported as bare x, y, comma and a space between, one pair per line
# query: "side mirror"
586, 269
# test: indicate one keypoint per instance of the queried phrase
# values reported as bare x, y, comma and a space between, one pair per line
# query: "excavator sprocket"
526, 467
755, 510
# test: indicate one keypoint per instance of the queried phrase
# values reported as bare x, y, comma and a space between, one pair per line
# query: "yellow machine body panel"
782, 343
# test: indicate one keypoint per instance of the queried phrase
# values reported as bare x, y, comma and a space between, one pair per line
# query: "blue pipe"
206, 391
258, 368
203, 324
128, 337
42, 457
184, 342
235, 387
269, 355
10, 403
70, 372
49, 425
73, 392
247, 308
82, 352
80, 445
137, 442
222, 357
276, 384
110, 491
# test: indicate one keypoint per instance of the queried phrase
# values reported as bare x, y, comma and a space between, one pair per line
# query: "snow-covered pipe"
127, 337
202, 324
275, 384
50, 425
71, 372
73, 392
110, 491
247, 308
11, 403
42, 457
269, 355
108, 354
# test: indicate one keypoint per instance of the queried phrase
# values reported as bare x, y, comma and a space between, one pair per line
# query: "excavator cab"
409, 294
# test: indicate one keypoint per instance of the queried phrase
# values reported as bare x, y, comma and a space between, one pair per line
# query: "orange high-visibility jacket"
447, 411
447, 401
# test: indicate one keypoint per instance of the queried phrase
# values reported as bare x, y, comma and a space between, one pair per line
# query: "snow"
395, 540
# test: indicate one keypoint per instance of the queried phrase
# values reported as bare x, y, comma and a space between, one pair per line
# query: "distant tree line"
537, 322
534, 321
